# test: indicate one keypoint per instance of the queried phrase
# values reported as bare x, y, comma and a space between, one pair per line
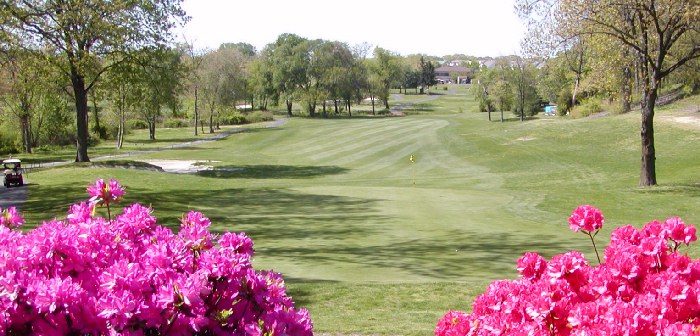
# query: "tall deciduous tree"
21, 87
427, 74
193, 62
88, 37
662, 35
386, 71
523, 77
159, 81
221, 73
289, 59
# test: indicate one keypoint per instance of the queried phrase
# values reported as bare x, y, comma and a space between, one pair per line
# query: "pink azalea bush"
644, 287
88, 275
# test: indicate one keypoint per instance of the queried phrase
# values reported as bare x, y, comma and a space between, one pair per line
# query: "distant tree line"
77, 74
588, 56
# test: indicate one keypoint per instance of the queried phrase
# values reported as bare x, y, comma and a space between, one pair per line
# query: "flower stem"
594, 247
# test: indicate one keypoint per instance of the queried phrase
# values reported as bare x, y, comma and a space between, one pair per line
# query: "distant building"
487, 62
455, 63
454, 74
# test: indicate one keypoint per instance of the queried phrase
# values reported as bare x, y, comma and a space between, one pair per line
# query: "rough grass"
372, 243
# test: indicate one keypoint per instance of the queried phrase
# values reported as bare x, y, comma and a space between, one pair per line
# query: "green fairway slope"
373, 243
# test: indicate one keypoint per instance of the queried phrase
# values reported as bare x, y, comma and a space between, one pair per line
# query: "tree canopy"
85, 38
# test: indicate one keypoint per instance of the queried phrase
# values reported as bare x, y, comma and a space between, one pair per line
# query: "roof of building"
453, 69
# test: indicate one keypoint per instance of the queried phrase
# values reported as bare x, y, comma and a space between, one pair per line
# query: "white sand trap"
179, 166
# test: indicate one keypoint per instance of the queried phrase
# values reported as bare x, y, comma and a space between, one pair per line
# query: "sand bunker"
180, 166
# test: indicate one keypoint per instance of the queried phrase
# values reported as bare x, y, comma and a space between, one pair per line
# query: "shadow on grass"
686, 190
265, 213
270, 214
271, 171
325, 231
459, 255
161, 141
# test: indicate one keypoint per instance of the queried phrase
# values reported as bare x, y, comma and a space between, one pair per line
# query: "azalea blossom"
586, 218
645, 287
105, 193
11, 218
130, 276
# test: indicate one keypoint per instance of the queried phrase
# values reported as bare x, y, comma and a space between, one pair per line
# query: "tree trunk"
81, 111
626, 89
648, 169
152, 128
98, 129
196, 111
289, 107
371, 97
211, 120
120, 131
335, 103
26, 133
348, 105
312, 110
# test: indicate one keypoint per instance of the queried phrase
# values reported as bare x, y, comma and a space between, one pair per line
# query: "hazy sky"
443, 27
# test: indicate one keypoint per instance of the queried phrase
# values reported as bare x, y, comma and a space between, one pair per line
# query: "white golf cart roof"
12, 161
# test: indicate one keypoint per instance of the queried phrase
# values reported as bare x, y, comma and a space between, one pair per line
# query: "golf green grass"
373, 243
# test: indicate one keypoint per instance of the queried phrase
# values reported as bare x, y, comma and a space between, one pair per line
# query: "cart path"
16, 195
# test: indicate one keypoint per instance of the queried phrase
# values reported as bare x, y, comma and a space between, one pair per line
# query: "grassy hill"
372, 243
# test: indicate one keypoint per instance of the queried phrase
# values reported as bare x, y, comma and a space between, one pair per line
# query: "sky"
437, 28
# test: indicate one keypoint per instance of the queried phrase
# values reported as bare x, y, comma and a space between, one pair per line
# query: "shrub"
233, 119
136, 124
88, 275
176, 123
644, 287
587, 107
259, 116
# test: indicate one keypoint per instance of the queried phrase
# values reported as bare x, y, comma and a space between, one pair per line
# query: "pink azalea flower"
586, 218
679, 232
531, 266
132, 277
195, 218
11, 218
453, 323
645, 287
80, 213
105, 193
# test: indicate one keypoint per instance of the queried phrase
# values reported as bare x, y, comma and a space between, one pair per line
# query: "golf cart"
12, 172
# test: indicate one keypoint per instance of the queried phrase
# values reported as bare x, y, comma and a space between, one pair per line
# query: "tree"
662, 35
88, 37
289, 60
23, 74
385, 70
502, 88
122, 96
221, 74
246, 49
260, 80
159, 82
193, 62
523, 76
340, 74
427, 74
485, 81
